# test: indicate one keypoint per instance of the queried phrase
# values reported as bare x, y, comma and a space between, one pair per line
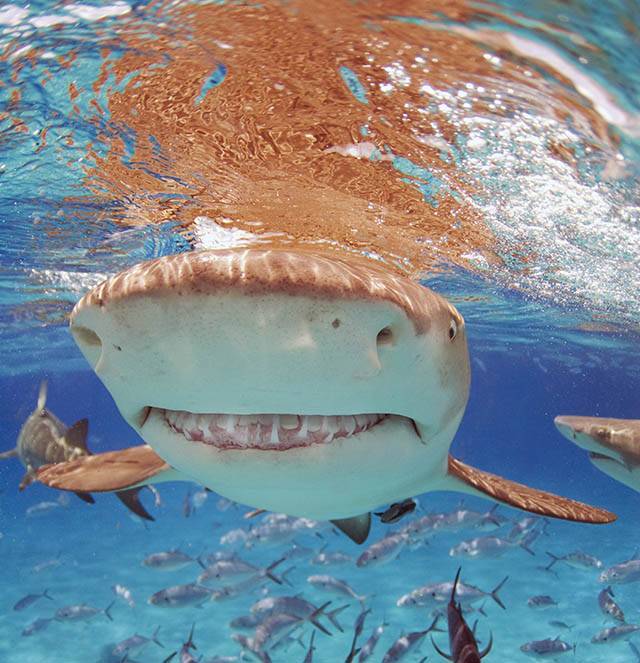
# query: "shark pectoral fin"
109, 472
523, 497
86, 497
131, 499
76, 436
27, 479
12, 453
356, 528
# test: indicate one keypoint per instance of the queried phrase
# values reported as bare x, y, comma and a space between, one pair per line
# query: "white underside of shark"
286, 380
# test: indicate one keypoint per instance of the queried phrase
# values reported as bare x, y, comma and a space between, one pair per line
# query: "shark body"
291, 381
44, 439
613, 444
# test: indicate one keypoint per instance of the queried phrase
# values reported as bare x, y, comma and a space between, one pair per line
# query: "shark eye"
453, 329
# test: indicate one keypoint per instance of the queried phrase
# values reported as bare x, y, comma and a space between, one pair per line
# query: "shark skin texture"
613, 444
288, 380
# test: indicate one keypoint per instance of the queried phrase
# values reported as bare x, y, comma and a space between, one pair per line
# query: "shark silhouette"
288, 380
613, 444
44, 439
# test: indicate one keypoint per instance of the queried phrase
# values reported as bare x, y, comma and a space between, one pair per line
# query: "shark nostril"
385, 337
89, 343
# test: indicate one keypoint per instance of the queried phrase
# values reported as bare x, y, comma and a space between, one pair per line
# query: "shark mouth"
272, 432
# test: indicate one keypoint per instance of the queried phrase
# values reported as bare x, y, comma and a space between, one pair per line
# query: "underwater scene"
320, 330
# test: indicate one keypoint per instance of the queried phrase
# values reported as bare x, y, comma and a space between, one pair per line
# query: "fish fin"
131, 499
254, 513
356, 528
487, 649
333, 616
42, 396
154, 637
107, 611
12, 453
76, 436
170, 657
108, 472
494, 592
319, 612
86, 497
523, 497
27, 479
435, 646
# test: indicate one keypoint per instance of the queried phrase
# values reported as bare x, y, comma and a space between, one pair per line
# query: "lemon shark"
613, 444
44, 439
288, 380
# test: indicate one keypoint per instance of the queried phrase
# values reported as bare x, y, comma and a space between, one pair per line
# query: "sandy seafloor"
507, 429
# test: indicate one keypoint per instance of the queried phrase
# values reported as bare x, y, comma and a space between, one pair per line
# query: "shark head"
293, 381
613, 444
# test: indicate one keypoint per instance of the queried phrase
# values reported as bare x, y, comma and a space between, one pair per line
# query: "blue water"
553, 320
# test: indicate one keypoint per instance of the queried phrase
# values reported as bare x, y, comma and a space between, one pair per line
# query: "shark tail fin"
42, 395
475, 481
108, 472
12, 453
131, 499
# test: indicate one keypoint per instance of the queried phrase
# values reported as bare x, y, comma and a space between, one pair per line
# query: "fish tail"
189, 644
318, 612
554, 559
635, 650
46, 595
481, 610
154, 637
434, 626
494, 593
332, 616
273, 576
525, 546
12, 453
107, 611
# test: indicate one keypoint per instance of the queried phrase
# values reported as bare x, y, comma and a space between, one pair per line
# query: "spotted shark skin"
197, 348
613, 444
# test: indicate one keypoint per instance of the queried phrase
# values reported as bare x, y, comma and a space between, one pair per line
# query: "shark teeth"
267, 431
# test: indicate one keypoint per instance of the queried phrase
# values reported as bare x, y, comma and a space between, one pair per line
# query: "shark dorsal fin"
356, 528
76, 436
42, 396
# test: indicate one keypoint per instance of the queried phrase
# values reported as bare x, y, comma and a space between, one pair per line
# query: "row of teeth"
267, 430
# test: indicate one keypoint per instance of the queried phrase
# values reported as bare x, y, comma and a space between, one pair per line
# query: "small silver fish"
408, 643
82, 613
369, 646
608, 606
334, 586
382, 551
30, 599
133, 644
622, 574
181, 596
541, 602
434, 596
546, 648
38, 625
614, 633
487, 547
577, 559
170, 560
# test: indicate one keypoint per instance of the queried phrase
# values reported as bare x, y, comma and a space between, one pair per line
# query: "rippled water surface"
489, 149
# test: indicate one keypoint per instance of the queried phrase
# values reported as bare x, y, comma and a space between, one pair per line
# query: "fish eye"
453, 329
